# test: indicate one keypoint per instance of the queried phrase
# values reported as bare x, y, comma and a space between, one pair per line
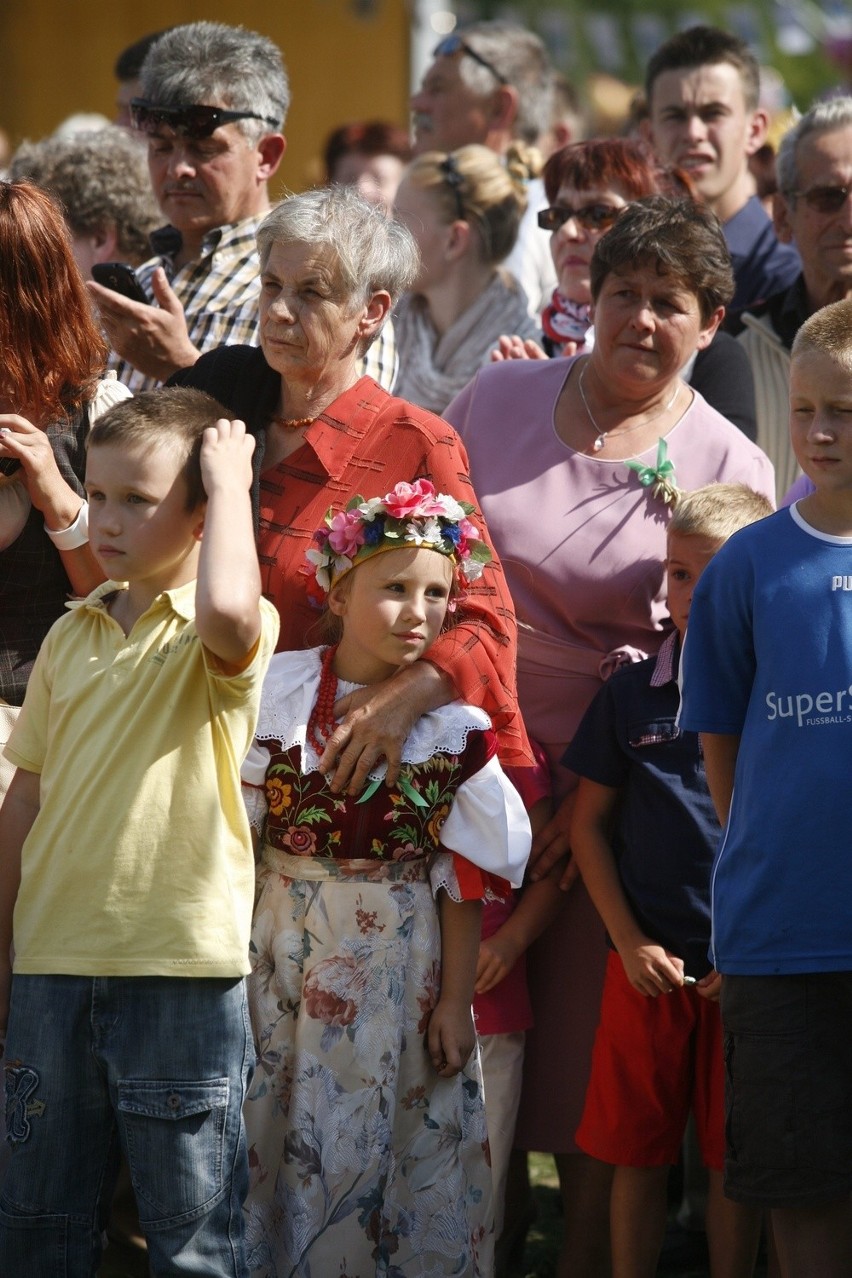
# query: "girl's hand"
497, 957
48, 491
450, 1037
551, 844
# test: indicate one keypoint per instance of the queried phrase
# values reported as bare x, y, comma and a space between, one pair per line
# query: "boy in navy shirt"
768, 670
643, 834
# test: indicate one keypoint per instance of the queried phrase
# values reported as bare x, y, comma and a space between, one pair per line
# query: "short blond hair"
828, 332
718, 511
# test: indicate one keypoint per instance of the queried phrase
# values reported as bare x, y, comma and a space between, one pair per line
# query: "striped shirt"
218, 290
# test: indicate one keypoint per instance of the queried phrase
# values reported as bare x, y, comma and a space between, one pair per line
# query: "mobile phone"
121, 278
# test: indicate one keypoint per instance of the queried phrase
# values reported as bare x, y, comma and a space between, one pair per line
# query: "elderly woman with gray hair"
332, 267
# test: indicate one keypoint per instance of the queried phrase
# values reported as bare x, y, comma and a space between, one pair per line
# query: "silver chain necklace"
602, 435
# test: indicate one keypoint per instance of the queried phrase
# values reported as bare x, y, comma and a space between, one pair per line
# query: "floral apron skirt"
363, 1161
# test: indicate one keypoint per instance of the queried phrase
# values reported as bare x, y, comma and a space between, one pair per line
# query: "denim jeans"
155, 1066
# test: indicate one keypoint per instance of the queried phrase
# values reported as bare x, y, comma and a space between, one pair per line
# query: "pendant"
599, 442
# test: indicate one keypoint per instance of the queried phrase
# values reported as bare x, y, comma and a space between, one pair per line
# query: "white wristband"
76, 534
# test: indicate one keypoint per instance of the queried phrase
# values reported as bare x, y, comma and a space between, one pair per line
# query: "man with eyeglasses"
813, 210
492, 83
703, 88
212, 106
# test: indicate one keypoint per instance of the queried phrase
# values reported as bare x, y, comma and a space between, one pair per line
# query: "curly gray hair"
101, 180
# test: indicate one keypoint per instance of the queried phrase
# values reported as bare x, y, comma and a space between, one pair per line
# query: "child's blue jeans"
155, 1066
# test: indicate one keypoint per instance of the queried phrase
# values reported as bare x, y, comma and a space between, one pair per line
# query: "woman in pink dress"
601, 442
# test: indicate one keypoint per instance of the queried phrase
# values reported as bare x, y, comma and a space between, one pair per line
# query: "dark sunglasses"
456, 44
195, 122
825, 199
594, 217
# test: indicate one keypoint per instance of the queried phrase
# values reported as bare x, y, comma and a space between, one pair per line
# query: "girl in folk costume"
365, 1119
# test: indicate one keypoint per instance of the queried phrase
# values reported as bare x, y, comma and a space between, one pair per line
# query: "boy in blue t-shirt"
768, 671
643, 835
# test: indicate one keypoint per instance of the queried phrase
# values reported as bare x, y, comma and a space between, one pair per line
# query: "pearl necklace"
603, 435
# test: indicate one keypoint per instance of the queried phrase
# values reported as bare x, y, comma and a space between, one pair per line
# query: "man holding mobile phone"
213, 103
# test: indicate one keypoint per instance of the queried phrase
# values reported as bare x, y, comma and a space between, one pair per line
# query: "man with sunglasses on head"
813, 210
493, 83
213, 103
703, 89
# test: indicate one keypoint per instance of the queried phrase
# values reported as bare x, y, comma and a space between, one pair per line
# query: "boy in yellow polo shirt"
125, 855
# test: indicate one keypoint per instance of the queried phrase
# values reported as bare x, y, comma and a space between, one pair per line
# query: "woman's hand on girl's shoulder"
376, 721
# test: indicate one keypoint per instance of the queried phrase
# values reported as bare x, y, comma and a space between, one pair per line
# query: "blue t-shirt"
666, 829
768, 657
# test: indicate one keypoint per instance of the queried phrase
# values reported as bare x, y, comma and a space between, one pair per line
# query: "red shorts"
654, 1060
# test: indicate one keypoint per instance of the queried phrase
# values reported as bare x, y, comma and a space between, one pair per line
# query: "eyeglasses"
594, 217
455, 182
825, 199
195, 122
456, 44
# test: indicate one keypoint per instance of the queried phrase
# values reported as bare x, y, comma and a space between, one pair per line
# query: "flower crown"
409, 515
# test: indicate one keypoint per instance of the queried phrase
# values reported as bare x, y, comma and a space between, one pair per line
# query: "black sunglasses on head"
825, 199
456, 44
455, 181
593, 217
195, 122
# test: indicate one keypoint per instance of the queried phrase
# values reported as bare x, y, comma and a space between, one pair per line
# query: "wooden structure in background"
347, 60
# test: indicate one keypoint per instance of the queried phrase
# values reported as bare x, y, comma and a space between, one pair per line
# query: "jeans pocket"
175, 1138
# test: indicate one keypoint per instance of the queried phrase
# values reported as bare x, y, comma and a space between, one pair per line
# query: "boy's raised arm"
228, 592
19, 810
720, 761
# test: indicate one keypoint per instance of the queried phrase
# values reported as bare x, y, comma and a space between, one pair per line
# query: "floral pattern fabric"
396, 824
363, 1161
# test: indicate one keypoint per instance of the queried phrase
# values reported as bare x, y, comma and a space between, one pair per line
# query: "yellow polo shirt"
139, 862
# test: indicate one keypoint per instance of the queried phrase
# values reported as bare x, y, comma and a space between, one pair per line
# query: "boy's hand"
497, 957
710, 986
450, 1037
226, 453
651, 970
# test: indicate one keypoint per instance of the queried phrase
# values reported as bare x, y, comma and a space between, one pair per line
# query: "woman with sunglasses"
588, 184
463, 209
604, 438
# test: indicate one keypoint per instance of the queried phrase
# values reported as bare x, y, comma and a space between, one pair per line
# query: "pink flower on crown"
412, 500
346, 533
468, 532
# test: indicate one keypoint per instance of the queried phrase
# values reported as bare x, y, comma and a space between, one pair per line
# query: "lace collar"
290, 690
